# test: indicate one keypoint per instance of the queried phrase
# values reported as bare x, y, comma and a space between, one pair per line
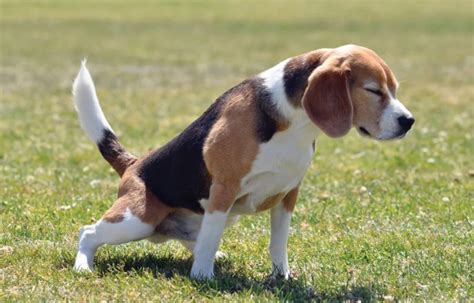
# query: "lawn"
374, 221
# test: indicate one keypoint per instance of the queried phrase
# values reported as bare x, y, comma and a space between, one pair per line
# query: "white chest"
280, 165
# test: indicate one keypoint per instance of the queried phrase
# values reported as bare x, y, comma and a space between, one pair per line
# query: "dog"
247, 153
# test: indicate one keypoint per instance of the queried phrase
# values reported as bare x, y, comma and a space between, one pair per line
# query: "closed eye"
375, 91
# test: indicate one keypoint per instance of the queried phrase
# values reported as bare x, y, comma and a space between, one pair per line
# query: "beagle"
247, 153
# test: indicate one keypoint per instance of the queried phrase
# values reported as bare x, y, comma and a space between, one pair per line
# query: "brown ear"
327, 100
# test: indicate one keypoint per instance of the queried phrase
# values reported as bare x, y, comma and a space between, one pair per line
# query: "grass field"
374, 221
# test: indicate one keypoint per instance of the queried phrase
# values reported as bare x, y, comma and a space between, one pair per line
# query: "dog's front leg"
221, 199
207, 244
280, 224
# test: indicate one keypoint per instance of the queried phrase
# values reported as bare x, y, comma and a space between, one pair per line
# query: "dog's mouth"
364, 131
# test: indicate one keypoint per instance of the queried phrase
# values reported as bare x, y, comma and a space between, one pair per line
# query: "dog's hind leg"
134, 216
130, 228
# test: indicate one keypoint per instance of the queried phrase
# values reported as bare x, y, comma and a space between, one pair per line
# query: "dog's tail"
94, 123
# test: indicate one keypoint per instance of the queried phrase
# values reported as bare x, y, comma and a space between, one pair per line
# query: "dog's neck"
287, 82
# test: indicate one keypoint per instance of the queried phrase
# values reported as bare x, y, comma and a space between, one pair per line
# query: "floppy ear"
326, 99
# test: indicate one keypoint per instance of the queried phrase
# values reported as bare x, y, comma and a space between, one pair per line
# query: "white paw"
82, 267
83, 262
220, 255
279, 274
202, 273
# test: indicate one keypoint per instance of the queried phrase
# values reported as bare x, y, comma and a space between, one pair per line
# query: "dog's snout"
406, 122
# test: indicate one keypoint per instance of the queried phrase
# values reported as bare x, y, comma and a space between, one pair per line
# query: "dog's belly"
180, 225
183, 225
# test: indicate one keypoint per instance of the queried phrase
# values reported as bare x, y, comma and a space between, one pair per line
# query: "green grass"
374, 220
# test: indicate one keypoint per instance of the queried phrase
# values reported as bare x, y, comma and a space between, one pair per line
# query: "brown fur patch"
270, 202
367, 115
289, 200
222, 196
231, 147
282, 125
135, 196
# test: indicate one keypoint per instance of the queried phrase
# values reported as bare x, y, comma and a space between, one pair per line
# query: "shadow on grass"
226, 280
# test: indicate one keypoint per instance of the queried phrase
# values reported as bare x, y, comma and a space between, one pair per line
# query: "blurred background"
159, 65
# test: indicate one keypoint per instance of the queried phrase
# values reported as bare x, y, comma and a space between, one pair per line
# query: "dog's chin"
396, 136
383, 137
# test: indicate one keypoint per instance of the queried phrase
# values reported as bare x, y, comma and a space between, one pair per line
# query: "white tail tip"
87, 105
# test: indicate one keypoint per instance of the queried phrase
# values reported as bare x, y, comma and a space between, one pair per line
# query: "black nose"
406, 122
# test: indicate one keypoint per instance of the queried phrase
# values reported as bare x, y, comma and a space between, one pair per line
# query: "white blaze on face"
389, 125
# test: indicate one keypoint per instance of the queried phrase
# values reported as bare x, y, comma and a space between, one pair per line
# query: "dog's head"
354, 87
